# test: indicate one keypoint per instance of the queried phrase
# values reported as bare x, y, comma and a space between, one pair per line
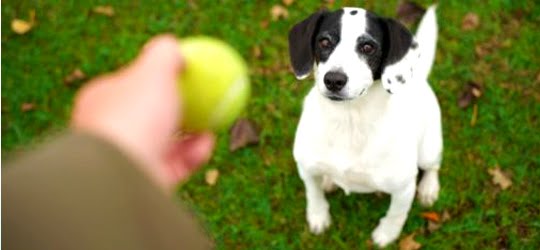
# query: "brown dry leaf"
445, 216
27, 106
287, 2
408, 243
243, 133
431, 216
106, 10
330, 2
277, 12
267, 160
257, 51
211, 176
76, 75
21, 26
409, 12
480, 51
264, 24
470, 21
193, 4
471, 93
369, 244
500, 178
433, 226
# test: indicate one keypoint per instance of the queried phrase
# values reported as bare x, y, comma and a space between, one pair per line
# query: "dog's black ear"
301, 51
396, 67
397, 41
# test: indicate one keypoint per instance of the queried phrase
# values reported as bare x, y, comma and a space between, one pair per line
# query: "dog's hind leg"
317, 211
429, 160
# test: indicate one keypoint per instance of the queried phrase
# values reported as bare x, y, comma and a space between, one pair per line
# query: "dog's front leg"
317, 212
390, 225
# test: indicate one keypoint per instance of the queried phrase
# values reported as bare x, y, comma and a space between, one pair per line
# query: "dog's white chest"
359, 149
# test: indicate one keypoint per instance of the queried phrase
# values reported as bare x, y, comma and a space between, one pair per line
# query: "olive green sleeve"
79, 192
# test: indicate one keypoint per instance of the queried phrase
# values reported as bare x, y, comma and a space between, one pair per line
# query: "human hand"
138, 109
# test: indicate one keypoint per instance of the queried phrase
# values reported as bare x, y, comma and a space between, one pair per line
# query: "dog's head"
348, 50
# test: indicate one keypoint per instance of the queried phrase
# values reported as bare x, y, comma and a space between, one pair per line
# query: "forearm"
79, 192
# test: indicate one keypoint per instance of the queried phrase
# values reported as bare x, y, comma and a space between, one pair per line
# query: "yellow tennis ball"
214, 85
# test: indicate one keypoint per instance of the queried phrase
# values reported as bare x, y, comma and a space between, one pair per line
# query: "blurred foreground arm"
101, 185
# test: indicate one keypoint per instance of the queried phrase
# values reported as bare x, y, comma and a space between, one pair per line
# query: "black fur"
301, 43
397, 41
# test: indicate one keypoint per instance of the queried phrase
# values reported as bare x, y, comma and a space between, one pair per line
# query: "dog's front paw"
318, 222
386, 232
428, 188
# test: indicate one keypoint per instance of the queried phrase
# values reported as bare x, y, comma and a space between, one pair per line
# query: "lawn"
259, 201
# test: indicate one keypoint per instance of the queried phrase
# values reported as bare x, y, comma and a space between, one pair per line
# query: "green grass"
259, 201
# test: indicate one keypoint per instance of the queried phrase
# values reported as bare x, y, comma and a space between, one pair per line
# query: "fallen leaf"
267, 160
257, 51
193, 4
21, 26
409, 12
277, 12
500, 178
106, 10
431, 216
470, 21
480, 51
445, 216
474, 115
76, 75
264, 24
27, 106
487, 47
243, 133
433, 226
211, 176
476, 92
369, 244
408, 243
330, 2
471, 93
287, 2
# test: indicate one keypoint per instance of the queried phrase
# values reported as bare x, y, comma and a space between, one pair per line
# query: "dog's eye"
367, 48
325, 43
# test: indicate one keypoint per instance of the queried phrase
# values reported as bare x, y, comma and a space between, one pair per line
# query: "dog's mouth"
337, 98
340, 98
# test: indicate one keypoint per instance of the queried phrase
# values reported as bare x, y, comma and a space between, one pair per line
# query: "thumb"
160, 57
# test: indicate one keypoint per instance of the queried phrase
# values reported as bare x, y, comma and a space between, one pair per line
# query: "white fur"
374, 142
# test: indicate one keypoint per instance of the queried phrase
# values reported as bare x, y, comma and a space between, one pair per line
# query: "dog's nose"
335, 81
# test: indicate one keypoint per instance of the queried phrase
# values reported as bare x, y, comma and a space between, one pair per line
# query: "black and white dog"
371, 119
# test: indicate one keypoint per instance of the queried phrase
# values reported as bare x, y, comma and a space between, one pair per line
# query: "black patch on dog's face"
376, 35
329, 30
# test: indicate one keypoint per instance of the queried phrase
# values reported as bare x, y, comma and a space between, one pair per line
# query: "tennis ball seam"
226, 101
